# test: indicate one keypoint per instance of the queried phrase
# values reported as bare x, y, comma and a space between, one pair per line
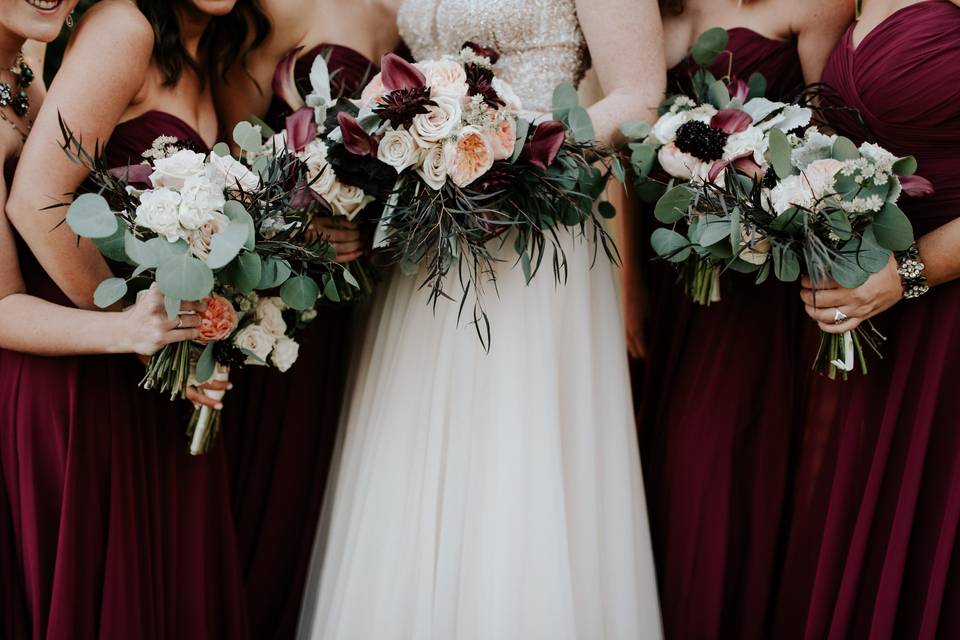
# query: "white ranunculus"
677, 163
199, 239
507, 94
754, 248
433, 167
444, 77
285, 353
752, 140
665, 129
398, 149
230, 172
792, 191
174, 170
349, 201
257, 340
270, 317
440, 122
199, 199
158, 211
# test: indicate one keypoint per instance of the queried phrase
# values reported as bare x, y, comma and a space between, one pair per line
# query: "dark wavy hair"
226, 39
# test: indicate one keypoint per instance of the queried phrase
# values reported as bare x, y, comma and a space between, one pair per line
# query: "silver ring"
179, 322
839, 317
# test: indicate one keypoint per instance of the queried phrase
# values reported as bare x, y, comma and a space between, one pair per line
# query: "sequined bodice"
540, 41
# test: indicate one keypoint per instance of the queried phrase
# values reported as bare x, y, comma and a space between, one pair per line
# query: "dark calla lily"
916, 186
301, 129
133, 174
731, 121
284, 80
355, 139
484, 52
739, 90
306, 198
397, 73
544, 145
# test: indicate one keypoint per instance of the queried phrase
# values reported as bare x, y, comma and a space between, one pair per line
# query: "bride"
499, 495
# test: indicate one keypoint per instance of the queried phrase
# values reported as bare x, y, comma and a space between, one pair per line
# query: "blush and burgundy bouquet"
461, 173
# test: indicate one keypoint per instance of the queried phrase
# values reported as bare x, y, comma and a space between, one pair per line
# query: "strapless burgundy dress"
874, 550
279, 428
716, 409
117, 532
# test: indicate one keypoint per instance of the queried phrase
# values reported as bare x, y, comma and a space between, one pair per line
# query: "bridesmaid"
873, 543
118, 532
280, 431
716, 407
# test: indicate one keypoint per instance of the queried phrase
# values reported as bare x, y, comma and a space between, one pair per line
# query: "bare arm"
101, 74
819, 27
625, 38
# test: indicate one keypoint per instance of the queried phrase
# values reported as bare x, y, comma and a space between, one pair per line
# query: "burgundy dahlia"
480, 83
401, 106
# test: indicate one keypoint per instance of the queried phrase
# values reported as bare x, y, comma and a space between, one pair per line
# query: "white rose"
270, 317
285, 354
322, 178
508, 95
444, 77
398, 149
792, 191
754, 248
199, 239
314, 155
158, 212
349, 201
256, 340
752, 140
230, 172
440, 122
174, 170
199, 199
433, 167
677, 163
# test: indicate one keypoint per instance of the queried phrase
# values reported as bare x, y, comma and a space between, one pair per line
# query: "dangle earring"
70, 23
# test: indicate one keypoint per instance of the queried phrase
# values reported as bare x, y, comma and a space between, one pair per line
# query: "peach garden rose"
469, 156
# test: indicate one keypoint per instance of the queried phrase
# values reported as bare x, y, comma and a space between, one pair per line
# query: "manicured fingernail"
229, 386
219, 406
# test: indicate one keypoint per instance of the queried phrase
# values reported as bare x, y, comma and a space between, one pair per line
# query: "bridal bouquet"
827, 209
444, 143
206, 227
725, 123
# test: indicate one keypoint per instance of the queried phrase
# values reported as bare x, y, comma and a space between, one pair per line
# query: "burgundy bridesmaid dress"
716, 412
117, 532
874, 550
279, 428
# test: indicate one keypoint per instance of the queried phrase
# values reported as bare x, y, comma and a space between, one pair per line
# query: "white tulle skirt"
488, 496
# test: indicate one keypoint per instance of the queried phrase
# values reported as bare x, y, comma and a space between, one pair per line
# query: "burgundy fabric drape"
716, 417
116, 532
279, 428
873, 545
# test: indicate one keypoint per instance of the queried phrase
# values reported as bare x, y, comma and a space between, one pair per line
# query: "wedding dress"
490, 496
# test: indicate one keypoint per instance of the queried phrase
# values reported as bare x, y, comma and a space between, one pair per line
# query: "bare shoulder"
119, 25
821, 14
288, 20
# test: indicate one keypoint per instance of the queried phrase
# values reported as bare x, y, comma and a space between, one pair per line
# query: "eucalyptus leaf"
870, 255
757, 84
581, 125
713, 229
274, 272
350, 279
247, 137
778, 153
905, 166
265, 129
238, 213
172, 307
221, 149
709, 46
109, 291
523, 128
112, 246
206, 364
244, 273
718, 95
892, 228
330, 291
565, 98
845, 270
673, 205
606, 210
616, 167
300, 292
635, 129
786, 264
845, 149
226, 245
90, 217
670, 245
642, 158
185, 278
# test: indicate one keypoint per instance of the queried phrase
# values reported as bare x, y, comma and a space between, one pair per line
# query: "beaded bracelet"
910, 268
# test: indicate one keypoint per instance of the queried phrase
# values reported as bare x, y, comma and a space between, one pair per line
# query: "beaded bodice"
539, 41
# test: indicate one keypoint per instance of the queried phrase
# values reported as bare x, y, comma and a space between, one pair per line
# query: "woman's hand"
880, 292
146, 328
196, 395
343, 235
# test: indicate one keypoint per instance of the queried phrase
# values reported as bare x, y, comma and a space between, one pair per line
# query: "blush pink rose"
468, 157
503, 138
821, 175
373, 90
218, 320
677, 163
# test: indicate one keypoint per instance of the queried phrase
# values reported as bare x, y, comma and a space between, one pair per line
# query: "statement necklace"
18, 101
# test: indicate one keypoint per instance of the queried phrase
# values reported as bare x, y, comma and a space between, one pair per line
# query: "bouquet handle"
206, 419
